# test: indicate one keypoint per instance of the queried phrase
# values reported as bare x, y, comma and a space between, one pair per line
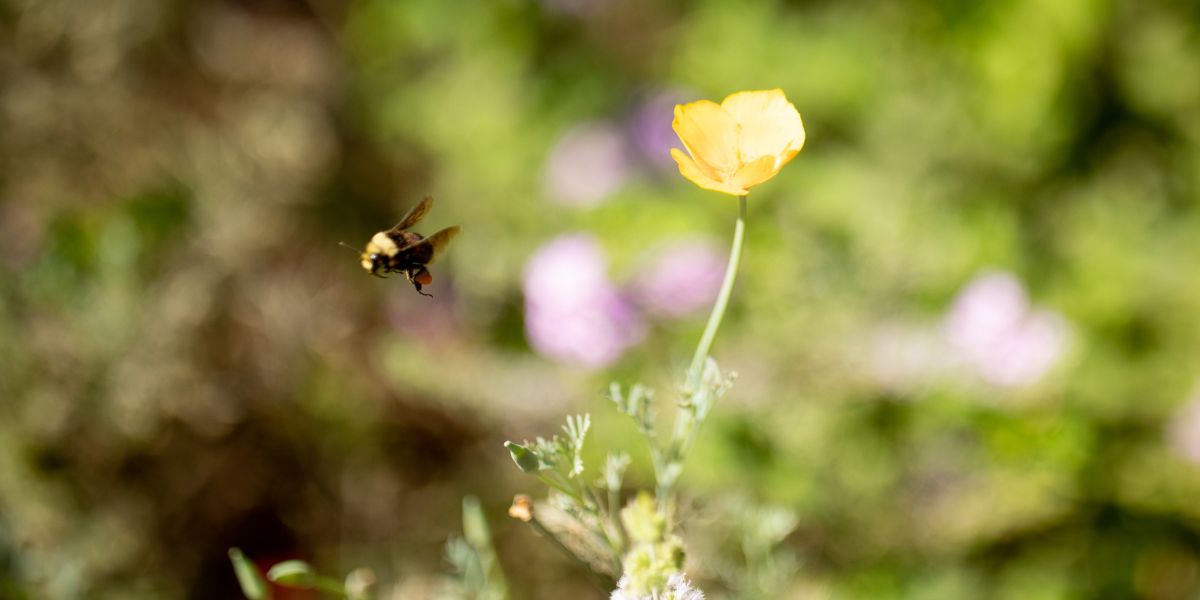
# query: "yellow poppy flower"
739, 143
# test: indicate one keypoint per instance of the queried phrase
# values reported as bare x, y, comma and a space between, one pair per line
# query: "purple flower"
650, 128
587, 164
573, 313
680, 278
992, 326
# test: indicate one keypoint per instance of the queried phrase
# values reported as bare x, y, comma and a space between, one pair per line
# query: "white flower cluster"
678, 588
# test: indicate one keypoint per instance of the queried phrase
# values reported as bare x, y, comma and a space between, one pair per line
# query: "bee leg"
419, 277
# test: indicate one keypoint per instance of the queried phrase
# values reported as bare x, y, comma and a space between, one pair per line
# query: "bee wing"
425, 251
415, 214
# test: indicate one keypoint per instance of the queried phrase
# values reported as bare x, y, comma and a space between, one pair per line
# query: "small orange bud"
522, 508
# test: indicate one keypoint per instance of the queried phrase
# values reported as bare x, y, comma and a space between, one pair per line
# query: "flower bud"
642, 520
525, 458
522, 508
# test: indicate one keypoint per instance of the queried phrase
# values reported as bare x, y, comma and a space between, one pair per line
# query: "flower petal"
786, 157
710, 135
756, 172
769, 124
692, 172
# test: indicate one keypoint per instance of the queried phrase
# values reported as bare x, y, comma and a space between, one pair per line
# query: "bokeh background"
967, 330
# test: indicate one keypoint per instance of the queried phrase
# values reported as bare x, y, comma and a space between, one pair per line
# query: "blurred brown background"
189, 362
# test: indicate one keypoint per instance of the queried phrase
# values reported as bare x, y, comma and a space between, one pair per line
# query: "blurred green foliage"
188, 362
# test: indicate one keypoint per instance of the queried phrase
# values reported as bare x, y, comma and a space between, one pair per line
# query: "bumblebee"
398, 250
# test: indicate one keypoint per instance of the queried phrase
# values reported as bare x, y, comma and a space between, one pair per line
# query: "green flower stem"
614, 518
687, 422
593, 507
718, 311
556, 481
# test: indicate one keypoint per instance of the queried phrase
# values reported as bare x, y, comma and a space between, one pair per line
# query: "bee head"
375, 263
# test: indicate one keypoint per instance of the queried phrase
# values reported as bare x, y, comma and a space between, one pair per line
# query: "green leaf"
299, 574
637, 404
249, 578
614, 470
576, 430
525, 458
296, 573
475, 527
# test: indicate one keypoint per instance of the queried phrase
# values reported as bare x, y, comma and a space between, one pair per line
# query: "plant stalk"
601, 580
667, 467
718, 311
